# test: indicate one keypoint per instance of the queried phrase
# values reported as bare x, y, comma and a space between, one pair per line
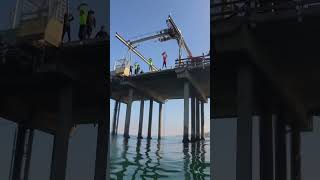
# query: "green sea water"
167, 158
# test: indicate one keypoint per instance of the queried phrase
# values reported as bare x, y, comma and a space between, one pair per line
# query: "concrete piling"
160, 121
186, 112
114, 123
61, 138
18, 153
28, 155
244, 124
128, 114
202, 120
280, 146
295, 154
193, 120
117, 125
197, 120
141, 119
150, 119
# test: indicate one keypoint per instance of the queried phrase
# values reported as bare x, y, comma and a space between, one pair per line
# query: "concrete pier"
197, 120
244, 123
193, 120
150, 119
202, 120
186, 112
61, 138
280, 149
128, 114
141, 119
114, 122
28, 155
160, 121
19, 152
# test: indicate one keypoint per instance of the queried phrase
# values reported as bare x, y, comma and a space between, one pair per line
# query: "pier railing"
193, 61
227, 9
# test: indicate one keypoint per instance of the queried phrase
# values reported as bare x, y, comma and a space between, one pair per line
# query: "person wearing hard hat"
83, 21
135, 68
150, 64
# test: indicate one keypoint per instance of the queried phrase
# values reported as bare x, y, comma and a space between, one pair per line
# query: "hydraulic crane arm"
129, 45
178, 35
160, 34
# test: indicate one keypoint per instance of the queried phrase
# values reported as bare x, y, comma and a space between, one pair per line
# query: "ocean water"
167, 158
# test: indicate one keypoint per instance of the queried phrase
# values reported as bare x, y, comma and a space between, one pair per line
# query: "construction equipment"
172, 32
40, 21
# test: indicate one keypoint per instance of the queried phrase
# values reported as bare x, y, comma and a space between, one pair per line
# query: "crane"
172, 32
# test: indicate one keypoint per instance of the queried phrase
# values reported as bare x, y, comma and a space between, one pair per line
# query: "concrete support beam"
150, 119
18, 153
114, 123
102, 148
117, 125
128, 114
61, 138
184, 73
266, 145
202, 120
141, 119
186, 112
244, 123
197, 119
295, 154
144, 90
160, 121
193, 120
28, 155
281, 152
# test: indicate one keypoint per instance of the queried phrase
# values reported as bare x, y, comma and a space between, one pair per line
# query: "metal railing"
230, 8
193, 62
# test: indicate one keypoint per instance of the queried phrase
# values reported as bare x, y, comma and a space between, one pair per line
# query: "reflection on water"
168, 158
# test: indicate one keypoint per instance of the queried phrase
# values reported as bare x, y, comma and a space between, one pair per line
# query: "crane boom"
129, 45
160, 34
179, 34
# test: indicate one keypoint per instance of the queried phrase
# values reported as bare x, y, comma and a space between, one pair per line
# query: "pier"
266, 65
54, 90
187, 81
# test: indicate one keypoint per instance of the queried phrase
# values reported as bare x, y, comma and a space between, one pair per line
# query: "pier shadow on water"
167, 158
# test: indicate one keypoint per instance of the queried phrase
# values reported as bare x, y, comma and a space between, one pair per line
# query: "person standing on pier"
130, 70
66, 25
135, 68
164, 57
150, 64
91, 23
83, 21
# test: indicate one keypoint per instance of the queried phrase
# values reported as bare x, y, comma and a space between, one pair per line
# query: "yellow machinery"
40, 21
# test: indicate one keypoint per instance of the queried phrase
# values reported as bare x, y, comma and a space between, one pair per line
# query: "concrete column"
281, 152
114, 123
141, 119
160, 121
102, 148
117, 125
244, 124
202, 120
128, 115
197, 120
28, 155
186, 112
150, 119
193, 120
61, 137
266, 145
295, 154
18, 153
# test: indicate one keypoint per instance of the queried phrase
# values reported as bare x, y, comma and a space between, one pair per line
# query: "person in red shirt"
164, 56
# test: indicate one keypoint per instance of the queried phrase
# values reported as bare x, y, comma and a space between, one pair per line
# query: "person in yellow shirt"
83, 21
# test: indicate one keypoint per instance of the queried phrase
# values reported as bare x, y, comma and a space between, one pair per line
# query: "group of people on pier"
87, 24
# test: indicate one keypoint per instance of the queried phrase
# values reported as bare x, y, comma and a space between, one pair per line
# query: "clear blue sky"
137, 18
